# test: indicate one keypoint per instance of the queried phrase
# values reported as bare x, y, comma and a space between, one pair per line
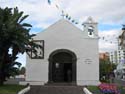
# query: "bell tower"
90, 28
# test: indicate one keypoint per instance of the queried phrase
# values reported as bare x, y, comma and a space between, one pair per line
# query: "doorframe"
74, 60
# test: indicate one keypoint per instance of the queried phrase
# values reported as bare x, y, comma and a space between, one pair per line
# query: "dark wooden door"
60, 61
58, 72
62, 66
62, 72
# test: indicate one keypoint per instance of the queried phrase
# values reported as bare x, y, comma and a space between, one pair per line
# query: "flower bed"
106, 88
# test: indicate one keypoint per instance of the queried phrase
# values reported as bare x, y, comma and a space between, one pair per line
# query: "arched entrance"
62, 66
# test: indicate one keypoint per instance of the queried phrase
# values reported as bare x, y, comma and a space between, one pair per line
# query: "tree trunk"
1, 78
2, 62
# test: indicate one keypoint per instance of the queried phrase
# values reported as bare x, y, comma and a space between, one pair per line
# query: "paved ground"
14, 80
119, 82
55, 90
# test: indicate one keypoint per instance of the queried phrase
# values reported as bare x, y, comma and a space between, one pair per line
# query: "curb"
23, 91
86, 91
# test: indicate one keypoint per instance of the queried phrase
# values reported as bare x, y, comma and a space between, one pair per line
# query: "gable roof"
64, 22
63, 27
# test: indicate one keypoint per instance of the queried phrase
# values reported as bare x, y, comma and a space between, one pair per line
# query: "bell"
90, 33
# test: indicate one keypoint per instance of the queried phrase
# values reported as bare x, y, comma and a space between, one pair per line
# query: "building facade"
117, 56
104, 56
68, 55
113, 57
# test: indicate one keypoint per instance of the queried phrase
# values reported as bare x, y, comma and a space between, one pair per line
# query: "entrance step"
60, 84
56, 90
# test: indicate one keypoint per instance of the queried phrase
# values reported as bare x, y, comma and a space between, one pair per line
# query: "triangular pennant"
66, 15
69, 18
49, 2
76, 22
57, 6
103, 38
73, 21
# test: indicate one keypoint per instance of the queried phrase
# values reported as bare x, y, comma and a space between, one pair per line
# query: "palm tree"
14, 34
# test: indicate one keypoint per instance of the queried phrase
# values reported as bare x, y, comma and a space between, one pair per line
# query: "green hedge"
10, 89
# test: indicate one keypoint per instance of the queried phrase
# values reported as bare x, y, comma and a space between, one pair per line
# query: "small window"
36, 52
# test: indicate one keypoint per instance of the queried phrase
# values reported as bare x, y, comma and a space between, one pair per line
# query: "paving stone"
55, 90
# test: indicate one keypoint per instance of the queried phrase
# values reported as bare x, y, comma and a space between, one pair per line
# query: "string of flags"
68, 17
112, 39
49, 2
63, 13
109, 39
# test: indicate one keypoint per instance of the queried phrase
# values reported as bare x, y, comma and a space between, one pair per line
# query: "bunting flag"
108, 39
103, 38
66, 15
72, 20
49, 2
57, 6
69, 18
63, 13
76, 23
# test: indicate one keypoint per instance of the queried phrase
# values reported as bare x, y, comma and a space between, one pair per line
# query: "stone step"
60, 84
56, 90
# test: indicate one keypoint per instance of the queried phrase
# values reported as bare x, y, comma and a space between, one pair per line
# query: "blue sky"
109, 14
107, 27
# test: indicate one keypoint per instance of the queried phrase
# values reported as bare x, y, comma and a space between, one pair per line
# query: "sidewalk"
119, 82
56, 90
121, 85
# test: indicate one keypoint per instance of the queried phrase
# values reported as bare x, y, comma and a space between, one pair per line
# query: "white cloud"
22, 59
107, 47
105, 11
40, 12
109, 40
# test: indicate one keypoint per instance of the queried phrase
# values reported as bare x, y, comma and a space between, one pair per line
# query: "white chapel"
68, 55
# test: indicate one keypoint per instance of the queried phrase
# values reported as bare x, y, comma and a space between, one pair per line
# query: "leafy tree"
22, 70
106, 67
14, 34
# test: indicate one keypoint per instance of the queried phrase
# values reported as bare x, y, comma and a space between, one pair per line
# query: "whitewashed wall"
64, 35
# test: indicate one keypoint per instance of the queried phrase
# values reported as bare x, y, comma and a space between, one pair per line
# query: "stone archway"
62, 66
